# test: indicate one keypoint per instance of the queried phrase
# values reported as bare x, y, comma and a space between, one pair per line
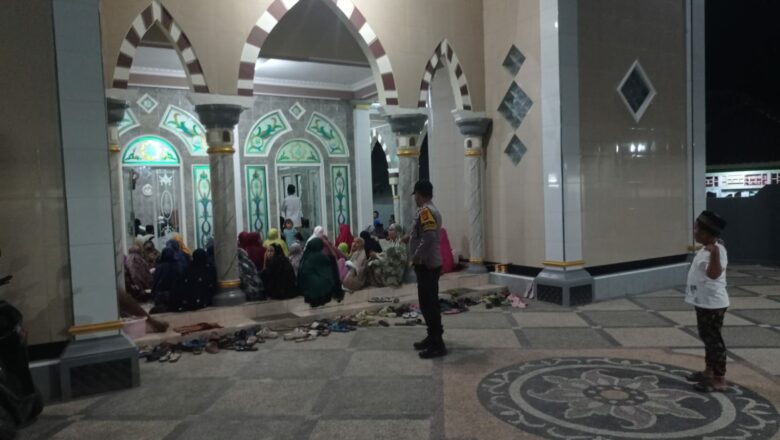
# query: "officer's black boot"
422, 345
436, 349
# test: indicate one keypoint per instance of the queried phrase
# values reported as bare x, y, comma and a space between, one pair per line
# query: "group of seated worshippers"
175, 280
368, 264
279, 267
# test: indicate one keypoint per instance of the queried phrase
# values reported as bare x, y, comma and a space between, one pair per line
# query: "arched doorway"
300, 166
153, 189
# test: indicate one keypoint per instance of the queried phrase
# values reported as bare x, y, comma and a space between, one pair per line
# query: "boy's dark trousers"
710, 323
428, 296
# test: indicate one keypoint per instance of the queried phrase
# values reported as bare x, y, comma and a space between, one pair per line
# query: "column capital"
472, 124
115, 110
405, 122
219, 111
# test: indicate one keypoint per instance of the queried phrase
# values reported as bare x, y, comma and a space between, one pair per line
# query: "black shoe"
422, 345
434, 351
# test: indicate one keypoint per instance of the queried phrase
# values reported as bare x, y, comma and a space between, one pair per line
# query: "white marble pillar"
219, 114
116, 112
396, 196
407, 126
474, 127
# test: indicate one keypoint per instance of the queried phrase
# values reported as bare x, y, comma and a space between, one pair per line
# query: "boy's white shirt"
701, 290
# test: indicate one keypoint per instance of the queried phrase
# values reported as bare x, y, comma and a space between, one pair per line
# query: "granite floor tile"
267, 398
768, 359
117, 430
663, 303
535, 305
353, 397
613, 304
476, 339
371, 429
388, 363
558, 338
653, 337
154, 400
753, 303
476, 320
393, 338
769, 316
304, 364
750, 337
70, 408
277, 428
764, 290
625, 318
666, 293
689, 318
43, 428
548, 319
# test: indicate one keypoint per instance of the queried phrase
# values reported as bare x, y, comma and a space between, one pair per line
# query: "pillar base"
476, 268
227, 298
98, 365
564, 287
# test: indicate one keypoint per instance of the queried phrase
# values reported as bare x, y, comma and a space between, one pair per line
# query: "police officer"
426, 257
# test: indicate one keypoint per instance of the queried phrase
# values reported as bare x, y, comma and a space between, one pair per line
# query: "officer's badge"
427, 220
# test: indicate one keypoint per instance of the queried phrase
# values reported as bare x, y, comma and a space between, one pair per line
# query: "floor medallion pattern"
606, 398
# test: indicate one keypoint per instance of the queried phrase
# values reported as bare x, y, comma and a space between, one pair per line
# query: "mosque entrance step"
287, 313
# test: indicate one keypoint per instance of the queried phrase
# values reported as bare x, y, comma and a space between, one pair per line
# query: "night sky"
743, 81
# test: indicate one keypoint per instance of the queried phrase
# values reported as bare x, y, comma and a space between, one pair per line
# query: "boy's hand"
712, 248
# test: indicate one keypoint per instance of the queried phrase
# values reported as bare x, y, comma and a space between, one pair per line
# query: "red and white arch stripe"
444, 52
376, 54
156, 13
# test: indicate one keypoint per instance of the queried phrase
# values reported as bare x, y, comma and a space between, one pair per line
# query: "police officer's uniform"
426, 257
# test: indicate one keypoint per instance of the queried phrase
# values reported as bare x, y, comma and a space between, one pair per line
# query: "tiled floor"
370, 384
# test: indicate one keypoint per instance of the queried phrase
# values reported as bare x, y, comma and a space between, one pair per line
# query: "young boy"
706, 291
289, 232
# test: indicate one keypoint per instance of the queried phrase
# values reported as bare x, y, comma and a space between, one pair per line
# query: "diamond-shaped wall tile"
515, 105
147, 103
636, 90
514, 60
297, 111
515, 150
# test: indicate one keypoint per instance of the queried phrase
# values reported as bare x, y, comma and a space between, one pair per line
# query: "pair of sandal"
384, 299
704, 383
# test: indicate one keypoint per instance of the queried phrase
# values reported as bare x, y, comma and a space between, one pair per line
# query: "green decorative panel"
266, 130
187, 127
150, 150
257, 198
201, 190
128, 122
326, 131
298, 151
339, 183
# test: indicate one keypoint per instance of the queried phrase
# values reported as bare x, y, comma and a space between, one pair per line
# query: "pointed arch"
444, 53
354, 21
156, 14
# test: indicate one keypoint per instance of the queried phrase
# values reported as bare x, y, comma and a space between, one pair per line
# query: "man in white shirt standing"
706, 291
292, 207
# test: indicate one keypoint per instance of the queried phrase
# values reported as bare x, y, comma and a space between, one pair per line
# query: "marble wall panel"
634, 174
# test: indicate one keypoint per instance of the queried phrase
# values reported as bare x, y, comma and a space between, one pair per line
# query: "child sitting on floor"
706, 291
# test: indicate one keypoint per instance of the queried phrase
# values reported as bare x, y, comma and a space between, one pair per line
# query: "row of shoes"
242, 340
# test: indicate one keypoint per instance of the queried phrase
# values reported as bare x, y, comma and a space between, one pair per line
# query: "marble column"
474, 127
407, 127
116, 112
396, 197
220, 119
